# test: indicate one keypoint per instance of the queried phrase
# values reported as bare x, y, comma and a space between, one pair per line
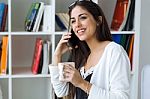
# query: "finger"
63, 41
64, 74
67, 76
67, 70
69, 66
66, 35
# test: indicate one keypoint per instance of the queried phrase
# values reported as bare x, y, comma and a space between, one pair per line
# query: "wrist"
57, 54
88, 87
56, 59
85, 85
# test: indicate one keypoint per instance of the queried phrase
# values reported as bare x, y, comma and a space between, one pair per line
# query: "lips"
80, 31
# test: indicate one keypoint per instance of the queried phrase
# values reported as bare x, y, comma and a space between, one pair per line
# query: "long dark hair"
81, 53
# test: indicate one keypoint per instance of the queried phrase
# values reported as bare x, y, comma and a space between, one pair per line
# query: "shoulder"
114, 47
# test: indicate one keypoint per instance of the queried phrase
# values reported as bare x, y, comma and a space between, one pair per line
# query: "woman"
102, 68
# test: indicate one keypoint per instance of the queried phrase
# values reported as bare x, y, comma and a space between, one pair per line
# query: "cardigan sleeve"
119, 78
60, 88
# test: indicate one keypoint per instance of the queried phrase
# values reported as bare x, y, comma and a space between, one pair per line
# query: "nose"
78, 24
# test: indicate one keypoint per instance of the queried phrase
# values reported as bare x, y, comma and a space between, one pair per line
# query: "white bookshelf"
20, 83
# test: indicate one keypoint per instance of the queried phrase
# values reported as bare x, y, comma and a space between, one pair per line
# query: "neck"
94, 44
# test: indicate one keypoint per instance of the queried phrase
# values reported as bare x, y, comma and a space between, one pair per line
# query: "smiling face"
83, 24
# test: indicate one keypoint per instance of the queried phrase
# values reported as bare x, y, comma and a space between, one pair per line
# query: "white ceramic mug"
61, 68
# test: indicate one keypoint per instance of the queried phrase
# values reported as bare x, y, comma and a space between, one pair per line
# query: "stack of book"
127, 41
41, 56
38, 17
62, 21
123, 17
3, 16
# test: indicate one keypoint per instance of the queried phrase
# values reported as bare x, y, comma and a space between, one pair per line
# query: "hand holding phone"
73, 41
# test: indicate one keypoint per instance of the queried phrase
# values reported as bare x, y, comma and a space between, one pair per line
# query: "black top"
80, 94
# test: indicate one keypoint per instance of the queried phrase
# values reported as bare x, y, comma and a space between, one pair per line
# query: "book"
40, 65
66, 18
4, 18
125, 17
116, 38
130, 50
46, 49
129, 24
2, 9
36, 56
0, 50
128, 42
3, 65
60, 23
63, 18
32, 16
38, 17
123, 40
27, 19
47, 18
119, 14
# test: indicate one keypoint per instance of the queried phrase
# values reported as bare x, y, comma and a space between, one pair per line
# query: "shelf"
30, 33
25, 72
4, 76
122, 32
4, 33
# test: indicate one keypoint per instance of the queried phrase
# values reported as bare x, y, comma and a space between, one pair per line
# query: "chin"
81, 39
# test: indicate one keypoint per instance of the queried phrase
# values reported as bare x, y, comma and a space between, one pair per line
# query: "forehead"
76, 11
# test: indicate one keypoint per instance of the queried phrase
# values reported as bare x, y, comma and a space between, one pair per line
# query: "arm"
120, 77
61, 88
117, 84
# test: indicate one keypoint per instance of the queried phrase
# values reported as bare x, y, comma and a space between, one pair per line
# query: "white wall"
144, 37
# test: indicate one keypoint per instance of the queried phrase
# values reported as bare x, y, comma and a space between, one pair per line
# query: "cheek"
91, 23
93, 26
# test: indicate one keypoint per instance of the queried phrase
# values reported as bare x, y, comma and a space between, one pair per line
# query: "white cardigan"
110, 79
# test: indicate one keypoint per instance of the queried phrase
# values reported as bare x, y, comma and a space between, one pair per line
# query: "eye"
83, 17
72, 21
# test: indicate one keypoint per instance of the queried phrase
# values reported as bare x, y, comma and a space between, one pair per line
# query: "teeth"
81, 30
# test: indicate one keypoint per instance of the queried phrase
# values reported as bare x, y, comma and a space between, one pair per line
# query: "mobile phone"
73, 41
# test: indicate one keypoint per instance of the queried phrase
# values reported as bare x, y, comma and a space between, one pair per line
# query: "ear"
100, 18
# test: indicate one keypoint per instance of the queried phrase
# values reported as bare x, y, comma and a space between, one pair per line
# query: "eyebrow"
79, 15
